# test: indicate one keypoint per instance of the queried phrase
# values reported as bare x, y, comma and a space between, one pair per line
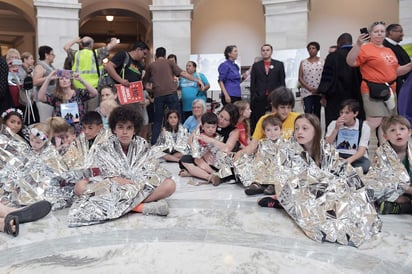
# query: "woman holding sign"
68, 102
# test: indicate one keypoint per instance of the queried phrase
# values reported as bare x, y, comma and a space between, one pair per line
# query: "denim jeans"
312, 105
170, 101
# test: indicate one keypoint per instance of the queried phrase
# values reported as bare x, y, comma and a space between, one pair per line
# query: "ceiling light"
109, 18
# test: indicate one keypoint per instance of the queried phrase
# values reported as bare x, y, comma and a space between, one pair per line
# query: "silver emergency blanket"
79, 155
199, 149
170, 142
329, 203
258, 167
105, 199
388, 178
28, 177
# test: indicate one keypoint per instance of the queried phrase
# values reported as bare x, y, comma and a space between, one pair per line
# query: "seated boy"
121, 181
282, 102
92, 124
397, 132
195, 164
350, 135
262, 160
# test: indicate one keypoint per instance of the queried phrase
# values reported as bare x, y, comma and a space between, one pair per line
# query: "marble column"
286, 23
405, 17
57, 23
172, 27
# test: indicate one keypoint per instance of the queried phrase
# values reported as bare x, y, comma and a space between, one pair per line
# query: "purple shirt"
230, 76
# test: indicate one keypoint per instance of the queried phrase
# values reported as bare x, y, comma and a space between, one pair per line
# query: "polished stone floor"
209, 230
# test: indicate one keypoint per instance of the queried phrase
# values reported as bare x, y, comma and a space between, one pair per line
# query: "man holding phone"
88, 62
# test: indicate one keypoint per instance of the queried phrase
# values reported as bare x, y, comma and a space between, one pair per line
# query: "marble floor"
209, 230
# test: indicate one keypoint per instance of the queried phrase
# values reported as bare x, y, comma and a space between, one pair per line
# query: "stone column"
286, 23
172, 27
405, 18
57, 23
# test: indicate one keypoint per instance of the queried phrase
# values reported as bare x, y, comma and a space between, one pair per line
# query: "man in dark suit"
339, 81
394, 35
265, 76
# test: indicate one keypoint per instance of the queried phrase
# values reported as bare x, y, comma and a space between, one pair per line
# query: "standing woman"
27, 66
15, 83
43, 68
310, 73
191, 90
377, 64
229, 76
67, 102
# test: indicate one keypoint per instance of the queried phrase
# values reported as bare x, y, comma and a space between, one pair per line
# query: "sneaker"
160, 208
254, 189
389, 208
269, 190
215, 180
269, 202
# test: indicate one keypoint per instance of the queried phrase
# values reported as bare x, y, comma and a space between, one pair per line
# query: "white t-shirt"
347, 137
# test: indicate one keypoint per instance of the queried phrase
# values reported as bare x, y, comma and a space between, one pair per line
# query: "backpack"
106, 80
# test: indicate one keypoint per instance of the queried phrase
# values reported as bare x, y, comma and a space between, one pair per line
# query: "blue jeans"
312, 105
170, 101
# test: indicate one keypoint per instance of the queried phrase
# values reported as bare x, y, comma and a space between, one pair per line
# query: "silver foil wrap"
198, 150
79, 155
329, 203
167, 143
29, 177
259, 166
388, 178
105, 198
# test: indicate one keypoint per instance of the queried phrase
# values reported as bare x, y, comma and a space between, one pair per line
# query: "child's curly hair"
126, 113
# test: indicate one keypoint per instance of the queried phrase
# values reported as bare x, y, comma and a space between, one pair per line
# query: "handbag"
106, 80
379, 91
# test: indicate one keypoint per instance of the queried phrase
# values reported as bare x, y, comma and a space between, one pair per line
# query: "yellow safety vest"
85, 65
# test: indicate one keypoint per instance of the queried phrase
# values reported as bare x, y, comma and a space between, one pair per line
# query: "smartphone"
16, 62
364, 30
64, 73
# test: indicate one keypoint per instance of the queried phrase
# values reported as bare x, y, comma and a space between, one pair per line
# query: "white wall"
329, 18
218, 23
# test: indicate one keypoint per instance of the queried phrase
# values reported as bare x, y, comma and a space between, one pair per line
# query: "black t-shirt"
133, 69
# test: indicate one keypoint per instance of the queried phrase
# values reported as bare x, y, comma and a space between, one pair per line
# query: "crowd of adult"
351, 72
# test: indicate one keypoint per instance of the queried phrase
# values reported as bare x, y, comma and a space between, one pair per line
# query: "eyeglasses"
52, 54
397, 30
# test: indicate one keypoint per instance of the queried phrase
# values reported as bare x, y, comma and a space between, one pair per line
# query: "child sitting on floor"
272, 128
350, 135
397, 132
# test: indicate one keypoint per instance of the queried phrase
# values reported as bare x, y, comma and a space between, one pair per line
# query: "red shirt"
243, 138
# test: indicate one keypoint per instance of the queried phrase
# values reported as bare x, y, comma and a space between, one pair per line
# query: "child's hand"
81, 186
339, 123
122, 181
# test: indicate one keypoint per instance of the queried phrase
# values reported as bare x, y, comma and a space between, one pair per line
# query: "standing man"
88, 62
126, 67
265, 76
394, 35
339, 81
160, 74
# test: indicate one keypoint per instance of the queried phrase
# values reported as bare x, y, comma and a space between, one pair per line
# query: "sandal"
269, 202
214, 179
269, 190
184, 173
32, 212
9, 222
254, 189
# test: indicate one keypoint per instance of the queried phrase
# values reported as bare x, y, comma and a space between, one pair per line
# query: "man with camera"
88, 62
